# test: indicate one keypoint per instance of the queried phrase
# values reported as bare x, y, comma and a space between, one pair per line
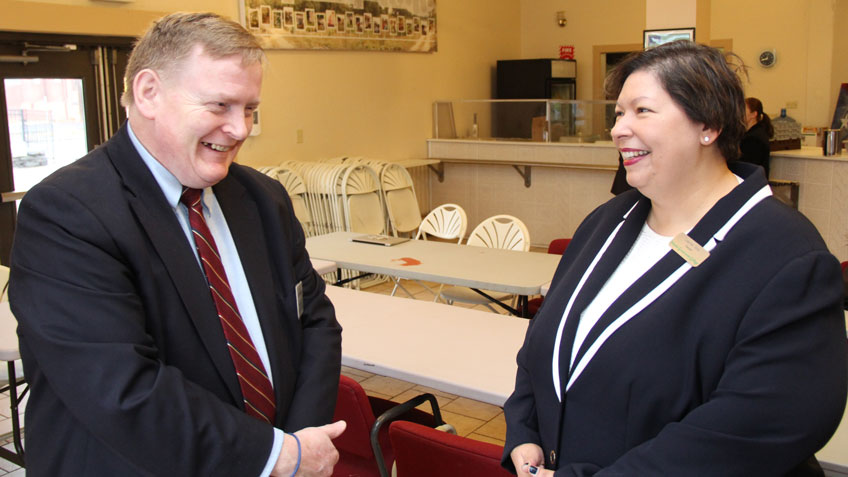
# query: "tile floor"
473, 419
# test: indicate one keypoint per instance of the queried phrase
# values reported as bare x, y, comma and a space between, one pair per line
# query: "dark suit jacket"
120, 340
738, 369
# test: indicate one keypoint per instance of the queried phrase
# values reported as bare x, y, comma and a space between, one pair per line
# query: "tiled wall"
823, 196
552, 207
557, 201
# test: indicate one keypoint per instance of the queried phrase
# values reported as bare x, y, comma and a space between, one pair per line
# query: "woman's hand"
527, 455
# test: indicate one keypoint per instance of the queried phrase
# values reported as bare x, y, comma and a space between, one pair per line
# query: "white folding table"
323, 267
479, 268
458, 350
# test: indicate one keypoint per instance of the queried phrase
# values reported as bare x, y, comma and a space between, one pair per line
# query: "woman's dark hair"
699, 80
756, 106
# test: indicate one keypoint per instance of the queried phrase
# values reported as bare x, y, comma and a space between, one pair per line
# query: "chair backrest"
447, 221
296, 189
424, 452
501, 231
353, 406
558, 246
401, 202
363, 205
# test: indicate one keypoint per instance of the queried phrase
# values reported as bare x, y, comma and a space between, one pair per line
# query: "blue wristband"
297, 466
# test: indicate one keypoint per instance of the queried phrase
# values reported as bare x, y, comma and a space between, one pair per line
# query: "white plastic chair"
294, 185
400, 199
500, 231
447, 221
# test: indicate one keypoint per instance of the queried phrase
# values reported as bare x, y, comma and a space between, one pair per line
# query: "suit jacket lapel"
619, 247
157, 218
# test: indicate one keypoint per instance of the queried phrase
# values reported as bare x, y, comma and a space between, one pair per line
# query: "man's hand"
317, 453
527, 455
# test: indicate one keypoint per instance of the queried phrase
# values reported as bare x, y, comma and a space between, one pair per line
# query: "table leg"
14, 400
501, 304
524, 306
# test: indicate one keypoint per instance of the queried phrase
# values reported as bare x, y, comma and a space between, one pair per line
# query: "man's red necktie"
255, 386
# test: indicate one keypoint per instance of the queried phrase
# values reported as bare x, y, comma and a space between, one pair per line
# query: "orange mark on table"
407, 261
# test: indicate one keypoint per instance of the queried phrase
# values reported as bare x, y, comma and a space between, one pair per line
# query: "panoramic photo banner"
379, 25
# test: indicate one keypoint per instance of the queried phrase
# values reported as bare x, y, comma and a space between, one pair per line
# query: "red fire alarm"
566, 52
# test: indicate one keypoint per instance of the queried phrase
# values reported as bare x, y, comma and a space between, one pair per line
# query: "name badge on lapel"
298, 293
689, 249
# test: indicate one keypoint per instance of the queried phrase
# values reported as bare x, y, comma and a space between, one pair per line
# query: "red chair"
424, 452
557, 246
364, 447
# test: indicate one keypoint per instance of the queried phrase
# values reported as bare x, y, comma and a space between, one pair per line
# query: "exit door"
59, 98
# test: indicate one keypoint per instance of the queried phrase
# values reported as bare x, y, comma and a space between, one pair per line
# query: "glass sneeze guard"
539, 120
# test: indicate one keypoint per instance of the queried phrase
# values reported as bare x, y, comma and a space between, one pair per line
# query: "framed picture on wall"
654, 38
373, 25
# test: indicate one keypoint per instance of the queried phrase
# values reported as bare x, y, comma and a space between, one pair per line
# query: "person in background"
677, 337
755, 142
170, 321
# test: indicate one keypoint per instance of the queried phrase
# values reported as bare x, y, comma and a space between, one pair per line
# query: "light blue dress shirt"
217, 223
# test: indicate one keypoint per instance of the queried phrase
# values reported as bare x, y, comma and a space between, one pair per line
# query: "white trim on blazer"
581, 364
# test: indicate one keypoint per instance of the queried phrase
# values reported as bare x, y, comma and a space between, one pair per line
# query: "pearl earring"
706, 138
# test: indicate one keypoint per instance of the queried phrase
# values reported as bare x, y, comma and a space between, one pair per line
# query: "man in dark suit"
166, 336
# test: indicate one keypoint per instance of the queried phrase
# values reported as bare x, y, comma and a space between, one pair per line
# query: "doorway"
59, 99
605, 57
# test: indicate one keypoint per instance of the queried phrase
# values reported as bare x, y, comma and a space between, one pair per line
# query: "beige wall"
664, 14
345, 102
839, 59
590, 23
74, 17
805, 34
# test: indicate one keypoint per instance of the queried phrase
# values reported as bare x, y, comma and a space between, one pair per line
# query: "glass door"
58, 100
47, 126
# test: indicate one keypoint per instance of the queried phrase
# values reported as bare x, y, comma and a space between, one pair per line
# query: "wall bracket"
439, 170
525, 174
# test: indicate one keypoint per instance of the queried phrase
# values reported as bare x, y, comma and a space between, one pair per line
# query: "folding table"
478, 268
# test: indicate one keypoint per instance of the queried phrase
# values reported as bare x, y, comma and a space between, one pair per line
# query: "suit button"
553, 458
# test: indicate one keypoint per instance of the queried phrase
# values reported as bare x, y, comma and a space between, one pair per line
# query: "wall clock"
767, 58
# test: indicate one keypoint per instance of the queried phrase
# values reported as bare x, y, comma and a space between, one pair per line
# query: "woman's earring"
706, 139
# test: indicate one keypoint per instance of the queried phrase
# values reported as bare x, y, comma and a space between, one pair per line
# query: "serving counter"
823, 191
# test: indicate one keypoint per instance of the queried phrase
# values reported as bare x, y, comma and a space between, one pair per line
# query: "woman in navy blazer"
694, 325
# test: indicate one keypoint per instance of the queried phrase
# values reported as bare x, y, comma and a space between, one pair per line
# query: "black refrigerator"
533, 79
